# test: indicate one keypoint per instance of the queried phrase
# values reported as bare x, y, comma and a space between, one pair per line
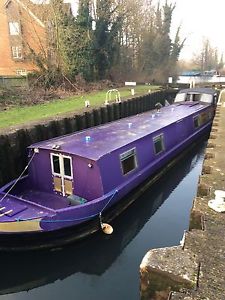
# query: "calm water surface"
107, 267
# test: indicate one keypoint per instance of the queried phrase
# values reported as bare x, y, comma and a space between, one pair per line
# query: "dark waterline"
107, 267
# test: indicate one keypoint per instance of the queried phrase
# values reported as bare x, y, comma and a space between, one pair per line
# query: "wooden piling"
13, 146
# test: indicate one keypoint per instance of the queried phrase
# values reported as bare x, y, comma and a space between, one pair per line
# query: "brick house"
23, 27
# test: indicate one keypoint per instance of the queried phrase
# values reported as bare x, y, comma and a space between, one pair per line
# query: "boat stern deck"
19, 215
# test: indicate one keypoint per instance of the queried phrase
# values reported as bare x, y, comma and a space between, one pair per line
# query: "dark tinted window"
128, 161
158, 144
67, 166
55, 163
196, 122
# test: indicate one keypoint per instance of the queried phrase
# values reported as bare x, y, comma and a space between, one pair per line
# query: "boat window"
61, 165
207, 98
180, 97
128, 161
196, 122
67, 166
189, 97
194, 97
158, 144
56, 164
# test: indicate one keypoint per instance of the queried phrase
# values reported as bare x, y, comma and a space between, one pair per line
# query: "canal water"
107, 267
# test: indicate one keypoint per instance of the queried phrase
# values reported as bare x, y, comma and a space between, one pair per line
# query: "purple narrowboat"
73, 180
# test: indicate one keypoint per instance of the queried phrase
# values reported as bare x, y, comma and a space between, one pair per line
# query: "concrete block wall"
195, 269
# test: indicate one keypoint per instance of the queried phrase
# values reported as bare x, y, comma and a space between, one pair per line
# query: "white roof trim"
7, 2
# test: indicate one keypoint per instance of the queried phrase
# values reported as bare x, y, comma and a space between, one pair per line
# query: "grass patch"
19, 115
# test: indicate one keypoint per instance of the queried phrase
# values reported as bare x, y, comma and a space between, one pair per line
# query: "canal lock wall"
14, 140
194, 270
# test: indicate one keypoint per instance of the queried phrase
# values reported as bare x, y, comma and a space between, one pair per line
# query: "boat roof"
191, 73
93, 143
199, 91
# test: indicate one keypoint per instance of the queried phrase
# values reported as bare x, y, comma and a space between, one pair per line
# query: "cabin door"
62, 174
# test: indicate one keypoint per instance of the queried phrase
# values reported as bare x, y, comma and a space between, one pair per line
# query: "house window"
14, 28
158, 144
21, 72
17, 52
128, 161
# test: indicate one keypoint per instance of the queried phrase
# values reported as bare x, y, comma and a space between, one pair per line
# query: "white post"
87, 103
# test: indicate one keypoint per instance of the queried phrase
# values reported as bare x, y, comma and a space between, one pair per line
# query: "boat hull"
85, 180
26, 241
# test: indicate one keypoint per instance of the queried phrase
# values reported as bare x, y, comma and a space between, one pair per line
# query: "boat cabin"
205, 95
75, 178
86, 165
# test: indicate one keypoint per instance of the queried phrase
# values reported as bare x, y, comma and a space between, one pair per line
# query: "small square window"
128, 161
17, 52
21, 72
158, 144
14, 28
196, 121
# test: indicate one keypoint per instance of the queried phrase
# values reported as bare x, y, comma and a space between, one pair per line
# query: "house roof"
39, 12
93, 143
27, 5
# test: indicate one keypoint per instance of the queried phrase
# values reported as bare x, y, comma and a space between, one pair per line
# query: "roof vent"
56, 147
87, 138
158, 106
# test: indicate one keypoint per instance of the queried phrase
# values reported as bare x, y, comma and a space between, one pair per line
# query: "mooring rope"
115, 192
29, 162
100, 214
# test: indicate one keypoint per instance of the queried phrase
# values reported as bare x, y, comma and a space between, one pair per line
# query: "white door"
62, 173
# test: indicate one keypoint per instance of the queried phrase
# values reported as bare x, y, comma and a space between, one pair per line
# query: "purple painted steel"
22, 209
109, 137
103, 184
86, 181
40, 175
49, 200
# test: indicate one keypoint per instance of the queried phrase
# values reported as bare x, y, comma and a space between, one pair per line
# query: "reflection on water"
107, 267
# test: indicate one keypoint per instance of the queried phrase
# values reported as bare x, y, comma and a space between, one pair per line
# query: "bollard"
87, 103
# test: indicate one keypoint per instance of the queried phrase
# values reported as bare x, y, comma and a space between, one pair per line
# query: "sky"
198, 19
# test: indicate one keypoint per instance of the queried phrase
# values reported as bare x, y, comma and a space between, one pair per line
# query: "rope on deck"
76, 219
